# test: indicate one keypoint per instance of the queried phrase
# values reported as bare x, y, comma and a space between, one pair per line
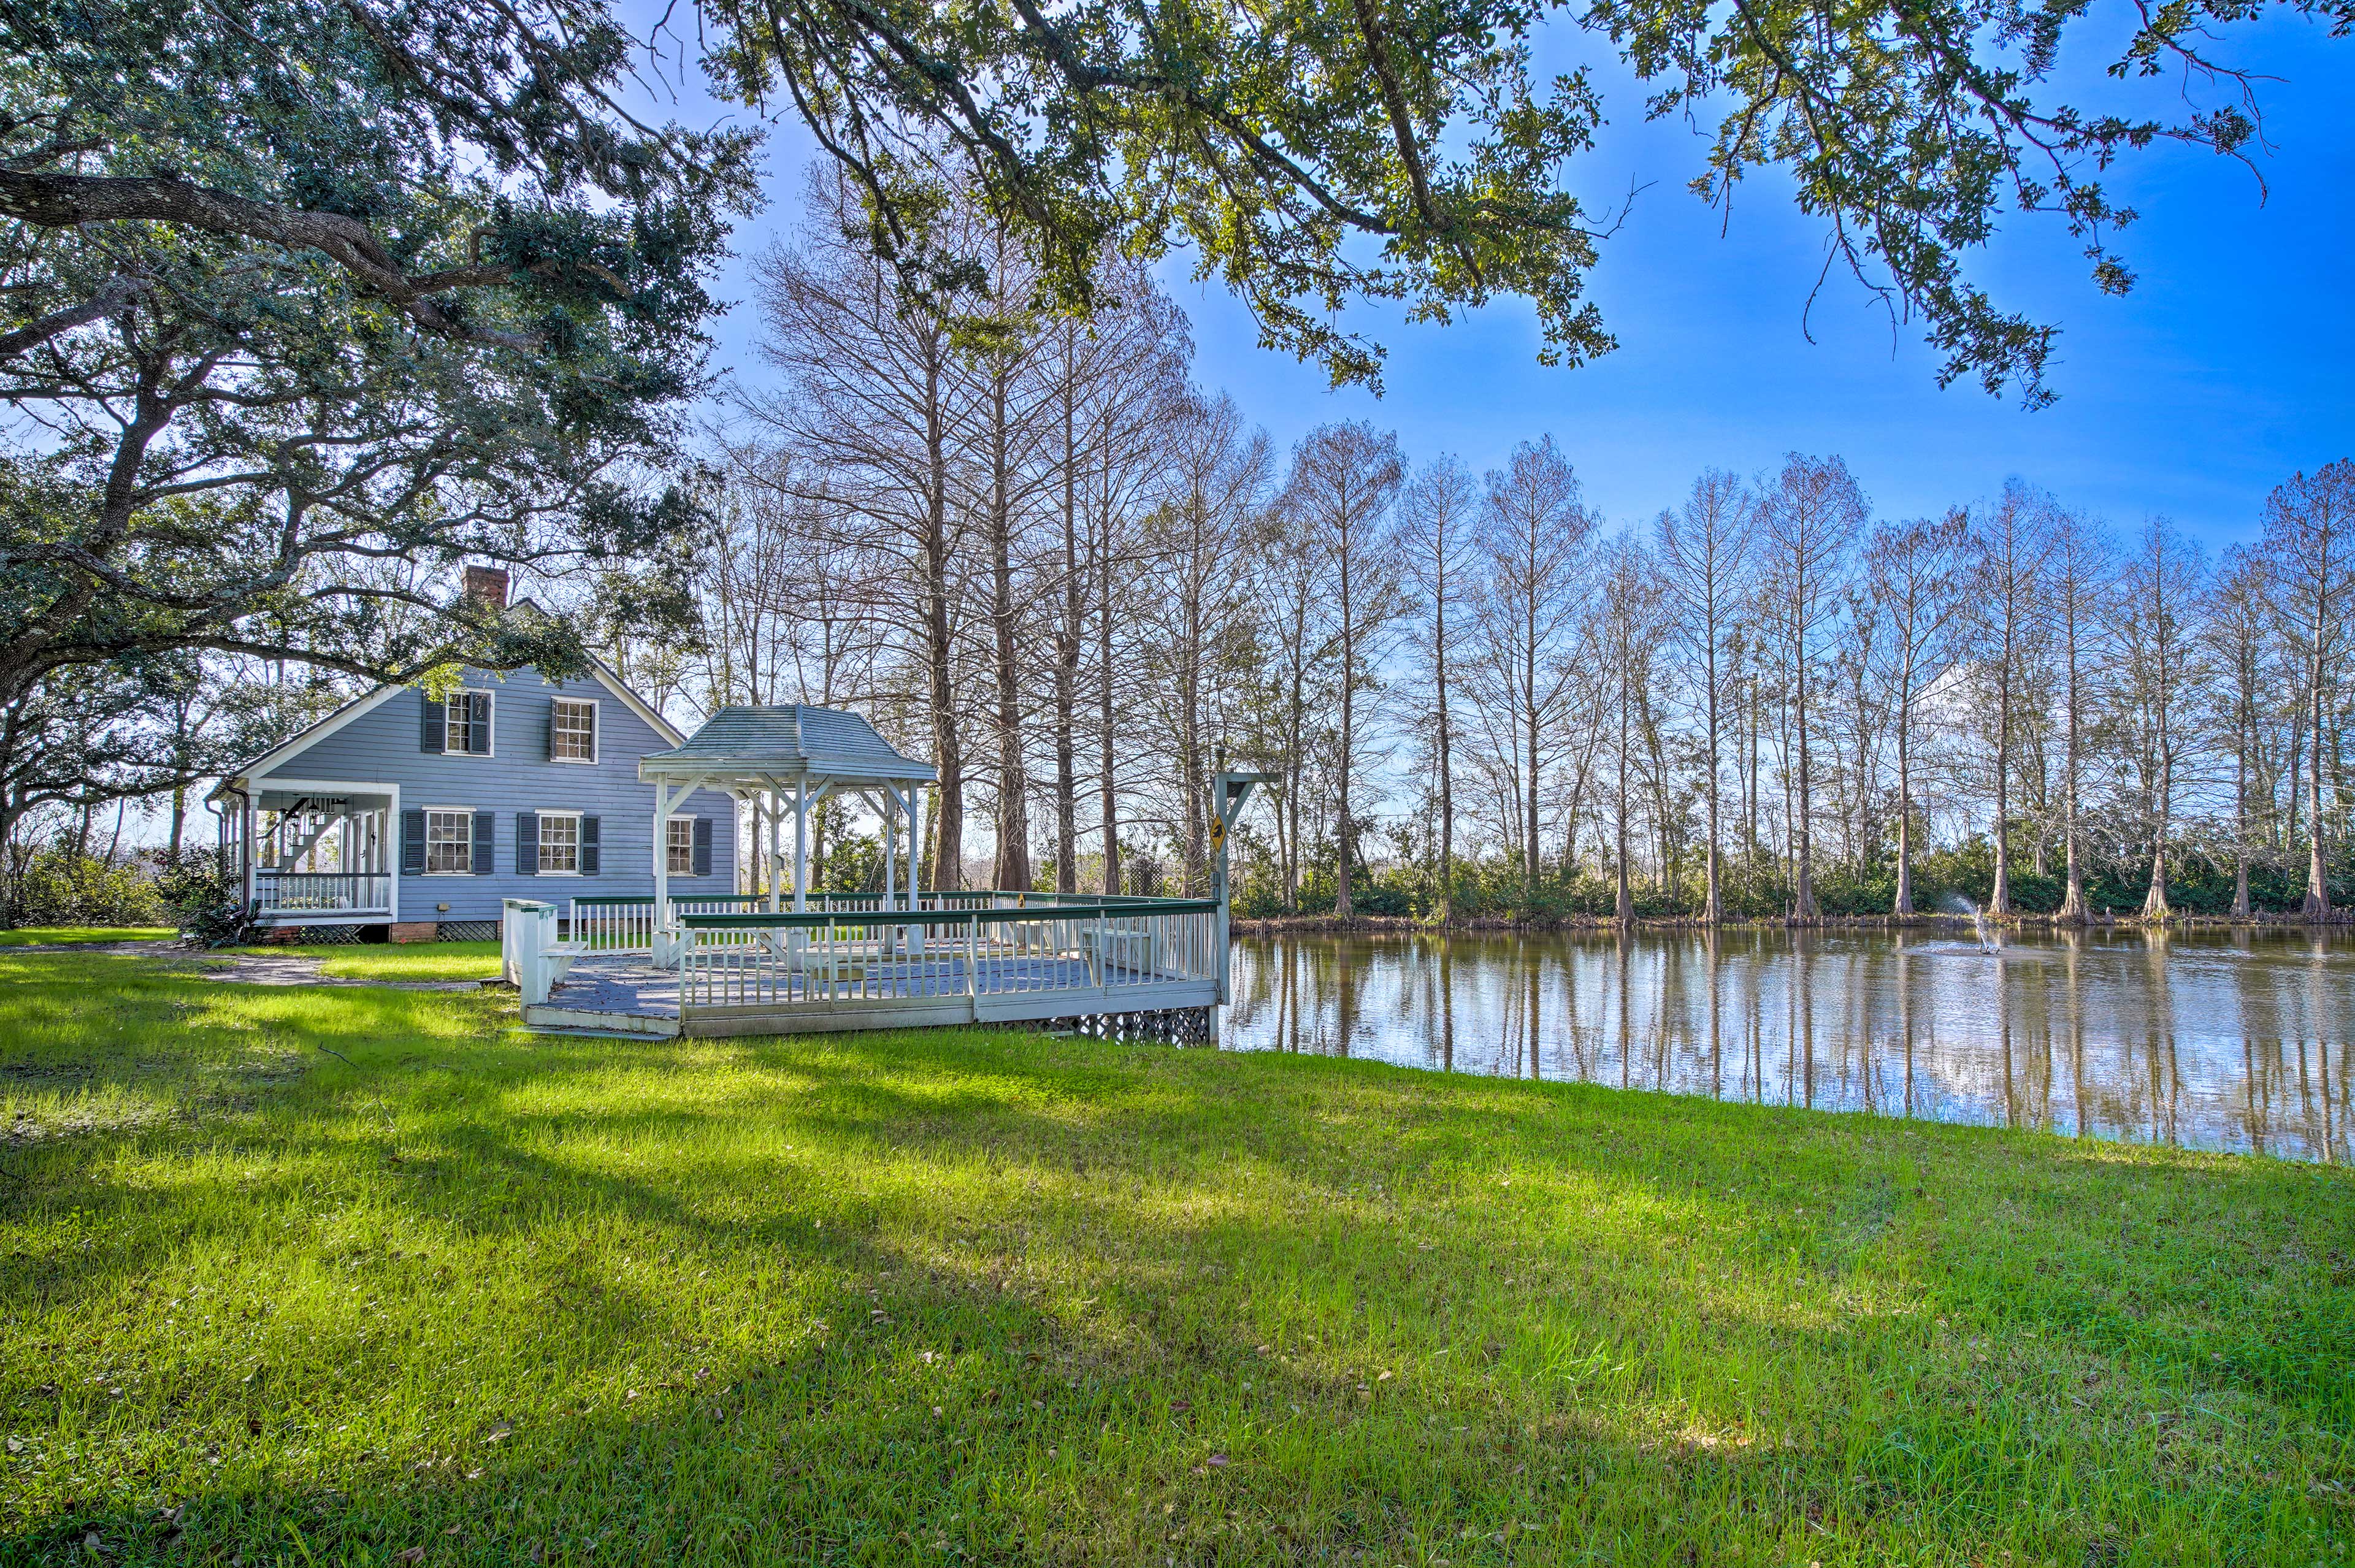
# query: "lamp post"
1228, 794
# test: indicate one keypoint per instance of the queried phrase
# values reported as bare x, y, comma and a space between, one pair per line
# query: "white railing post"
527, 936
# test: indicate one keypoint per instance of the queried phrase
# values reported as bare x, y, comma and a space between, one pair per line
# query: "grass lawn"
41, 936
406, 961
318, 1276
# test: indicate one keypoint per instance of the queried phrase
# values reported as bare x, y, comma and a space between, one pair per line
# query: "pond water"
2207, 1039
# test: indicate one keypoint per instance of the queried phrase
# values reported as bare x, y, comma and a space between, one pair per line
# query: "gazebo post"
889, 801
915, 862
801, 844
776, 866
662, 854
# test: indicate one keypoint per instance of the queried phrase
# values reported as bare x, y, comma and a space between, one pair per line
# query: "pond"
2208, 1039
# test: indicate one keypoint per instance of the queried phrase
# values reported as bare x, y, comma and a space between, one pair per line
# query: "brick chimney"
487, 586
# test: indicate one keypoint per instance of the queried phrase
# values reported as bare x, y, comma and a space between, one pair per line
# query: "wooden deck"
626, 994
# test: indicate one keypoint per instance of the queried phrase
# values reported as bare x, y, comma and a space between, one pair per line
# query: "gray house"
412, 816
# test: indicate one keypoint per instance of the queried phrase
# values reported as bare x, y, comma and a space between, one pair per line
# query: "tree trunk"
2318, 883
1713, 910
948, 753
1903, 903
1999, 899
1803, 903
1108, 800
1341, 906
1067, 661
2072, 901
1624, 907
1446, 744
1013, 868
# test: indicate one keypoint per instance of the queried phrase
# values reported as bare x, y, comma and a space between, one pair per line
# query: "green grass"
36, 935
310, 1276
406, 961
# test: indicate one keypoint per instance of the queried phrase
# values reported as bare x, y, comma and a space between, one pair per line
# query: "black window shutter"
436, 730
478, 732
588, 846
703, 845
486, 833
590, 710
527, 843
413, 843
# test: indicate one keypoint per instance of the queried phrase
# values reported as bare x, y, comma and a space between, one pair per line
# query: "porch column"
250, 819
890, 848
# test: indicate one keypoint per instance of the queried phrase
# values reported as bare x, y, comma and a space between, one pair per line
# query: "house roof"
789, 739
359, 707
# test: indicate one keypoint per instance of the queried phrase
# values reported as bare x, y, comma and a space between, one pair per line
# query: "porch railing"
973, 949
322, 892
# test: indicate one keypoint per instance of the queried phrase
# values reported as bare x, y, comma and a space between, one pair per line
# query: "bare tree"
2310, 538
1629, 623
2078, 579
1535, 543
871, 401
2157, 630
1704, 551
1343, 482
1200, 543
1435, 515
1911, 571
2240, 631
1808, 522
2008, 543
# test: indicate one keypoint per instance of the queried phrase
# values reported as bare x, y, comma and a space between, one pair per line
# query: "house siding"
383, 746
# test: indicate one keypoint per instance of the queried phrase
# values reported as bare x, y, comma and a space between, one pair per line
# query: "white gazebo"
796, 755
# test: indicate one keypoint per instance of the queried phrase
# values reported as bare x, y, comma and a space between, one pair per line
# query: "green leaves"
381, 284
1315, 153
1311, 153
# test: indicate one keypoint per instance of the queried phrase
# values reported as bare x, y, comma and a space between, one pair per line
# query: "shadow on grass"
1153, 1297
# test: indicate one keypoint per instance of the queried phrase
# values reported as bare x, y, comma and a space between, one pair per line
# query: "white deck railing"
970, 946
979, 950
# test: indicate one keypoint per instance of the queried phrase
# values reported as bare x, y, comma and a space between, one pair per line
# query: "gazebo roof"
785, 740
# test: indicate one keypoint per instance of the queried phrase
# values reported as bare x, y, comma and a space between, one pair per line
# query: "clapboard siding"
383, 746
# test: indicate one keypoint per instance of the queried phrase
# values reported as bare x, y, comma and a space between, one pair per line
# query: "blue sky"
2230, 364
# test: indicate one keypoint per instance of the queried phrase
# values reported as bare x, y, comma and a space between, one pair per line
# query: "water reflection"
2213, 1040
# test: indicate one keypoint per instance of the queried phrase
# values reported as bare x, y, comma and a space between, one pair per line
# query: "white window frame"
539, 851
464, 814
490, 718
596, 731
678, 860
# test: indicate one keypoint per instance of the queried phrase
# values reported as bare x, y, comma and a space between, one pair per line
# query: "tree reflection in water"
2218, 1039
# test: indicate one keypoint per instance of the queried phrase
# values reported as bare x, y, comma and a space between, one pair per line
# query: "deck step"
568, 1033
549, 1020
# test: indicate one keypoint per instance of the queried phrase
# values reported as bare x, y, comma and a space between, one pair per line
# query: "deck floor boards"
626, 984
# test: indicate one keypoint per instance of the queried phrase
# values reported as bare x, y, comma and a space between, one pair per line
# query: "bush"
204, 897
58, 886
